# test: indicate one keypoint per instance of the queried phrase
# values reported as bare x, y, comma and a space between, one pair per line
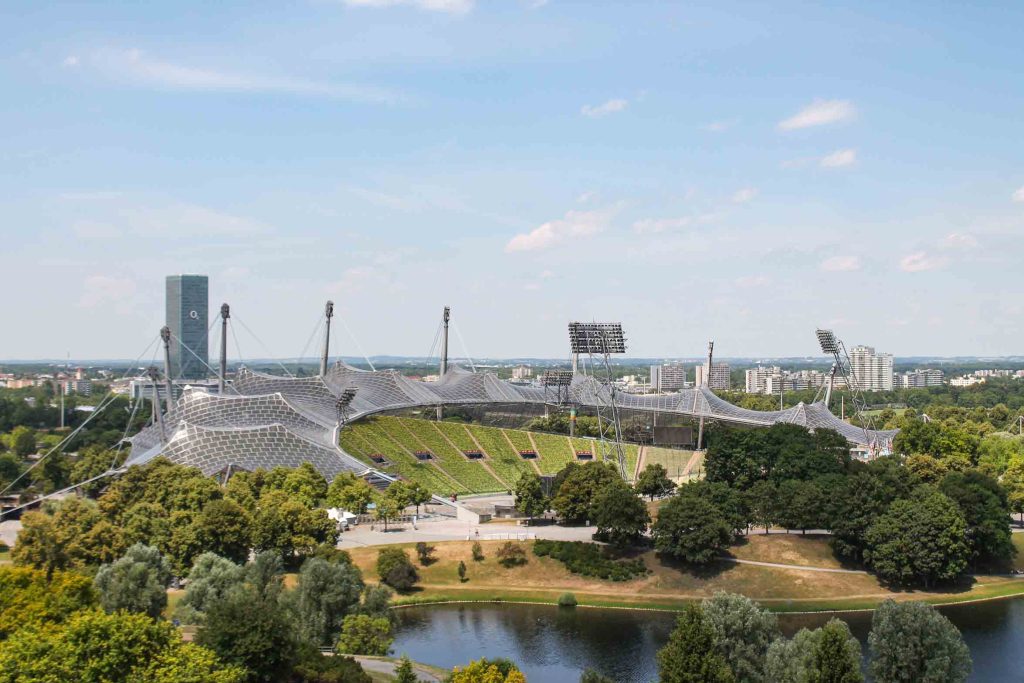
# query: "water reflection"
554, 645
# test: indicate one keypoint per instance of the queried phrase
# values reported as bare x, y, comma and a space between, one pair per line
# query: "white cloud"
137, 68
446, 6
103, 290
819, 113
654, 225
609, 107
840, 264
1018, 196
920, 261
839, 158
575, 224
586, 197
744, 195
752, 281
958, 240
70, 61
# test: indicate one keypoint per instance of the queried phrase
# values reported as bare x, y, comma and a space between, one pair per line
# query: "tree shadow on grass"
705, 572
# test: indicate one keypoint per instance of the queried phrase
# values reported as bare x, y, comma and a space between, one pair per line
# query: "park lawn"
668, 586
1018, 543
812, 550
5, 556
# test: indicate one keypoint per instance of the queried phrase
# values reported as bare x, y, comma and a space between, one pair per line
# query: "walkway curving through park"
388, 667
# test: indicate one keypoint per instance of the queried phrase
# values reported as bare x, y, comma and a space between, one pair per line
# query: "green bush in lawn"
589, 559
566, 600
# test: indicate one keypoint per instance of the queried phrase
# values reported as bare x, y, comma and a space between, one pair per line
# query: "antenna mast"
154, 376
445, 317
165, 334
706, 382
328, 314
225, 313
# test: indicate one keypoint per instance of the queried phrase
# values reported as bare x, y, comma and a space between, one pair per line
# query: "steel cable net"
271, 420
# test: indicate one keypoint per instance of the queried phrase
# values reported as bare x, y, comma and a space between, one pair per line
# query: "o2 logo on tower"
194, 315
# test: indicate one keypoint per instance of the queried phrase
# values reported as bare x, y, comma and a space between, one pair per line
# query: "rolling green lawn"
669, 585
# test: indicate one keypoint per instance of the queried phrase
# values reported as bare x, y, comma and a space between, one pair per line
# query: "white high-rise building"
756, 378
719, 379
921, 378
522, 372
668, 377
871, 371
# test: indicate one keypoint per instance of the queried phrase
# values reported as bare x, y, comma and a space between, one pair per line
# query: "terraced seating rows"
473, 474
504, 459
383, 432
362, 443
554, 451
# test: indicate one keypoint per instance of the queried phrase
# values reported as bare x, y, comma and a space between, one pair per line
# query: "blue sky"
734, 171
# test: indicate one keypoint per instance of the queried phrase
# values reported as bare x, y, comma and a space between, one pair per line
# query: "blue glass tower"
188, 313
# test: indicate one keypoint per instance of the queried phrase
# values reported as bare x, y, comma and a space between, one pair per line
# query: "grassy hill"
399, 439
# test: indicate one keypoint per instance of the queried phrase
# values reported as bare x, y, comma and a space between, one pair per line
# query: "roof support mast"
445, 317
154, 376
328, 314
225, 313
165, 334
707, 382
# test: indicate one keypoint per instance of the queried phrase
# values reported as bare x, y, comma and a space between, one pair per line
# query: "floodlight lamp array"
596, 338
556, 378
346, 397
828, 341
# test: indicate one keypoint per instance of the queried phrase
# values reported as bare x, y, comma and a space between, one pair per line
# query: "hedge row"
589, 559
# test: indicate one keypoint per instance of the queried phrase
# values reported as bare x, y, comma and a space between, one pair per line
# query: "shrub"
425, 553
478, 552
589, 559
462, 570
566, 600
396, 569
511, 555
362, 634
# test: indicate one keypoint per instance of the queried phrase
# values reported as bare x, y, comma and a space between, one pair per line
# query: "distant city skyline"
700, 171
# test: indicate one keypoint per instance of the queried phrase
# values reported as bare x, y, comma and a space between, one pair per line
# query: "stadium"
262, 420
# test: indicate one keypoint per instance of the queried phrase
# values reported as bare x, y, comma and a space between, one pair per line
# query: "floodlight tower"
328, 314
343, 403
225, 313
602, 339
831, 345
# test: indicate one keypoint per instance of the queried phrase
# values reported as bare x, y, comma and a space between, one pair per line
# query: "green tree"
1013, 483
487, 671
147, 523
135, 583
93, 461
210, 580
530, 499
29, 598
926, 469
743, 632
94, 647
591, 676
729, 501
799, 505
854, 503
986, 510
419, 495
691, 529
653, 481
763, 498
349, 492
289, 528
919, 540
425, 553
23, 441
362, 634
575, 498
619, 514
250, 628
404, 672
326, 592
829, 654
387, 509
462, 571
319, 668
305, 485
395, 569
691, 655
911, 641
224, 528
837, 655
74, 536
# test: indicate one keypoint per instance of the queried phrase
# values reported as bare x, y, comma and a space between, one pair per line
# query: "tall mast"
154, 376
225, 313
706, 382
165, 334
328, 313
444, 352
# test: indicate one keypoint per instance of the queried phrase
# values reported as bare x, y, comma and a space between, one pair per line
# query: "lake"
554, 645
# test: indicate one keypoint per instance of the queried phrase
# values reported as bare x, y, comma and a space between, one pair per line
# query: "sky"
743, 172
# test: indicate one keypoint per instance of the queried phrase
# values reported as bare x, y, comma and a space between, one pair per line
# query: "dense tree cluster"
729, 638
912, 522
